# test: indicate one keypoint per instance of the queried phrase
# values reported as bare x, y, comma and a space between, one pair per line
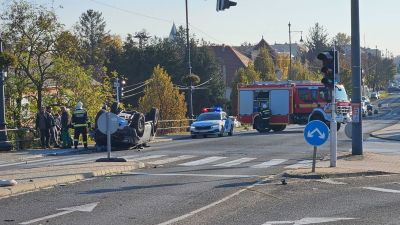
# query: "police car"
213, 121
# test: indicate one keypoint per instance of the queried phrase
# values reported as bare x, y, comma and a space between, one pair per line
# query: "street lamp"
290, 48
4, 145
189, 63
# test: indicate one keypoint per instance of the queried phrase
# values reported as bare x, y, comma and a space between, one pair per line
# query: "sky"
248, 21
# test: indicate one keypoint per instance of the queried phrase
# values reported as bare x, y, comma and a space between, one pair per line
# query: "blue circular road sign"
316, 133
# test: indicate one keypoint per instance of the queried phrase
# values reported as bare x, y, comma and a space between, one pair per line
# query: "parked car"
213, 121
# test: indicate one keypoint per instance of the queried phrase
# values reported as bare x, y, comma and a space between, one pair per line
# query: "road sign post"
316, 133
108, 124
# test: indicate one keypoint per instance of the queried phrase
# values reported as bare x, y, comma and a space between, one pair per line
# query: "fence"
173, 126
21, 138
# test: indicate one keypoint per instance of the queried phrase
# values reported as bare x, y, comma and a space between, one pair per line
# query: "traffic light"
224, 4
329, 68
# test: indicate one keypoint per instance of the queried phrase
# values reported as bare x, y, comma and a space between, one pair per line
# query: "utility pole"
290, 54
189, 63
357, 142
4, 145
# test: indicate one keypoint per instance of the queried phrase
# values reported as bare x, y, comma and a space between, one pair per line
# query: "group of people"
54, 128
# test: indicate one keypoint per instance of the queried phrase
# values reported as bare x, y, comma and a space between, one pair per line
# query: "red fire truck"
273, 105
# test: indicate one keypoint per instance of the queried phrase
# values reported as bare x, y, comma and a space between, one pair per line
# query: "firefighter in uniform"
80, 123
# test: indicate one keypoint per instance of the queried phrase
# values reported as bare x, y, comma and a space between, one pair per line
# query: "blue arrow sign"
316, 133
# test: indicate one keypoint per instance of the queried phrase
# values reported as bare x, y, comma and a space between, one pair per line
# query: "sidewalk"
38, 178
358, 165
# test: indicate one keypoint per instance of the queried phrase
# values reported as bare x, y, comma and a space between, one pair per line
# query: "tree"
316, 42
75, 83
91, 33
161, 93
301, 72
341, 41
31, 33
243, 76
282, 62
67, 46
265, 65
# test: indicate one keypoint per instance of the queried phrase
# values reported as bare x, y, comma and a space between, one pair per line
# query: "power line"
133, 85
128, 96
154, 18
136, 88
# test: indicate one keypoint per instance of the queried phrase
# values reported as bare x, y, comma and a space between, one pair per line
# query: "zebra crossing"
177, 160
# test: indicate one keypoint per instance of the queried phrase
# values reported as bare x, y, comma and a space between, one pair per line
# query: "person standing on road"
53, 129
80, 123
65, 123
43, 125
99, 113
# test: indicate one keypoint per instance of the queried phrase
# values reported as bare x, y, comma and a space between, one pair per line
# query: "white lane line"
172, 159
301, 164
80, 159
144, 157
308, 220
329, 181
177, 219
203, 161
54, 161
192, 175
272, 162
235, 162
24, 162
382, 190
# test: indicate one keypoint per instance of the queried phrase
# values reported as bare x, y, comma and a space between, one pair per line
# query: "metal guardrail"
22, 140
167, 126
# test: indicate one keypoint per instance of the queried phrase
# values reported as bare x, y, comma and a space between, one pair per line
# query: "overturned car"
135, 130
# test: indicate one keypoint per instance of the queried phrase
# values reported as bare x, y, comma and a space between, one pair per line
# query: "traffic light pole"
333, 125
357, 142
117, 85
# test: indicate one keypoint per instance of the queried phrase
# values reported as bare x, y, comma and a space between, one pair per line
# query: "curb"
335, 175
383, 138
45, 183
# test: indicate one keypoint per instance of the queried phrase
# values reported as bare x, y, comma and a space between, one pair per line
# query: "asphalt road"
230, 180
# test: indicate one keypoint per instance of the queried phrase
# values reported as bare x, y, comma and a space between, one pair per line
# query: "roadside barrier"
21, 138
173, 126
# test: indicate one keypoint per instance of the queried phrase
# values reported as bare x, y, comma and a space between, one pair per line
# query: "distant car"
213, 121
365, 99
364, 109
375, 95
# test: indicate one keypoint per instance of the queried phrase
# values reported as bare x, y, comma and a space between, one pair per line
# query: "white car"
375, 95
212, 122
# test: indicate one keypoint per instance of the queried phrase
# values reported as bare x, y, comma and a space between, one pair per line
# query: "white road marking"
24, 162
203, 161
144, 157
329, 181
301, 164
81, 208
272, 162
193, 175
54, 161
235, 162
172, 159
382, 190
177, 219
308, 220
79, 159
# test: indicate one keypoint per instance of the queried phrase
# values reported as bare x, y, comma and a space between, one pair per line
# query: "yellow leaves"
160, 93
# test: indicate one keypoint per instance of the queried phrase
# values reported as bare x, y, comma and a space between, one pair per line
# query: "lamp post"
290, 48
189, 63
4, 145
